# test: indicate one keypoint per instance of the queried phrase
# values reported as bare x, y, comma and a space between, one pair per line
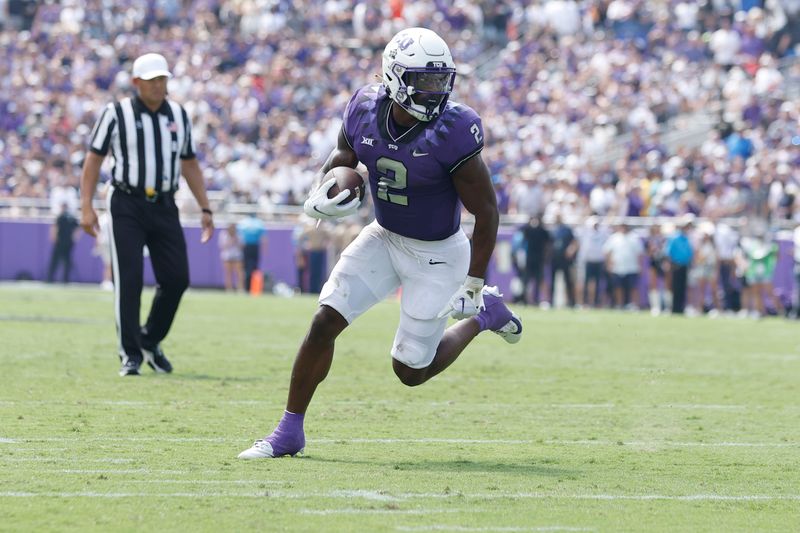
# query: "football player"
423, 153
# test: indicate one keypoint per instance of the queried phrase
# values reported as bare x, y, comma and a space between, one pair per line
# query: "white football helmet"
418, 72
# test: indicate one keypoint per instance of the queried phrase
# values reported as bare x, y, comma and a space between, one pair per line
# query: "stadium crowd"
558, 83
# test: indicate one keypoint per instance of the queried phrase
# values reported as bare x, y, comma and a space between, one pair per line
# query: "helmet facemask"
429, 88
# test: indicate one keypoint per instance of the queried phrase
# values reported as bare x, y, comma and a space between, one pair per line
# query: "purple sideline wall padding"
25, 251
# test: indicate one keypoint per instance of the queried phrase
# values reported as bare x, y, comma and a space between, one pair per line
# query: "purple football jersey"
410, 173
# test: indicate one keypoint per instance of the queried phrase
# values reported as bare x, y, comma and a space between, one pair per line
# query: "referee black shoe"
156, 360
130, 366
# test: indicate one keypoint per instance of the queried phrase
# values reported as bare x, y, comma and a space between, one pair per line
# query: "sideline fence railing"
39, 209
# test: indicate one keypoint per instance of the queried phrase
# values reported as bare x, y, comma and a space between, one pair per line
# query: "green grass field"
595, 421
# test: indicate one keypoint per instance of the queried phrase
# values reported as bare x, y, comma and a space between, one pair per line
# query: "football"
346, 178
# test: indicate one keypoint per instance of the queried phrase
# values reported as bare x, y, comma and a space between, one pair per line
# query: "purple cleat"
287, 439
498, 318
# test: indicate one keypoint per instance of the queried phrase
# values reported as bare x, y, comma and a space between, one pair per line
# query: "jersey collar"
384, 112
138, 104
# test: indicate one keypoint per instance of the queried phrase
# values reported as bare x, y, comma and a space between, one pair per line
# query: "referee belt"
151, 195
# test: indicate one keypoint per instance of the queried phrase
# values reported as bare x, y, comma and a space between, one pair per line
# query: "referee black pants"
62, 253
136, 222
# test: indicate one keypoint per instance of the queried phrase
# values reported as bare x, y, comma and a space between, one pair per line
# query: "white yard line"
382, 496
500, 529
325, 512
62, 460
632, 497
206, 481
432, 440
114, 495
121, 439
391, 403
652, 443
254, 482
125, 471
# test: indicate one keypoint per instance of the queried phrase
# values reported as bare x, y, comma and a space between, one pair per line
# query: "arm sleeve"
104, 129
468, 139
188, 150
351, 105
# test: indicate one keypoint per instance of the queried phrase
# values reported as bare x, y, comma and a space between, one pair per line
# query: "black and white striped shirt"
145, 144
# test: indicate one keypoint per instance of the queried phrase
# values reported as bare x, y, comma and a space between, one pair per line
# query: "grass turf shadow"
531, 468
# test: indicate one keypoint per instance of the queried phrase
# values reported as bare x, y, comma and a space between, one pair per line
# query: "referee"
151, 140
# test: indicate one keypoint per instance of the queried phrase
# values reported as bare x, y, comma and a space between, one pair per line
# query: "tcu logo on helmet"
405, 42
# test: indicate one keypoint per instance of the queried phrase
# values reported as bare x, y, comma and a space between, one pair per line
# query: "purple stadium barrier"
25, 253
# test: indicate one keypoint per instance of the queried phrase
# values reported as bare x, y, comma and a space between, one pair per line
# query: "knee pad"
416, 340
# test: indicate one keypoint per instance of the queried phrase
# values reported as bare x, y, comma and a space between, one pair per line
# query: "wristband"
472, 281
207, 211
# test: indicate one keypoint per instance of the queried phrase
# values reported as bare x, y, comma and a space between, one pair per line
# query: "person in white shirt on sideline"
726, 240
624, 251
592, 237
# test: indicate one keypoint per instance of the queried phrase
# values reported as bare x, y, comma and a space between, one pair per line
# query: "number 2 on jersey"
393, 175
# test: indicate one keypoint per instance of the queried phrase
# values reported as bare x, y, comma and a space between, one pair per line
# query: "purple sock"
482, 321
290, 423
288, 437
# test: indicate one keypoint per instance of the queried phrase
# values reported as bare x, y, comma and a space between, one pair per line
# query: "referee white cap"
150, 66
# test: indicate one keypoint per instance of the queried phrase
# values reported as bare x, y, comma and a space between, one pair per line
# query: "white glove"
318, 205
467, 301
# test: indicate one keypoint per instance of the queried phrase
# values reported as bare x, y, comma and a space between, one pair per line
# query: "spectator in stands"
787, 37
725, 43
563, 95
739, 145
501, 193
62, 194
768, 79
527, 196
